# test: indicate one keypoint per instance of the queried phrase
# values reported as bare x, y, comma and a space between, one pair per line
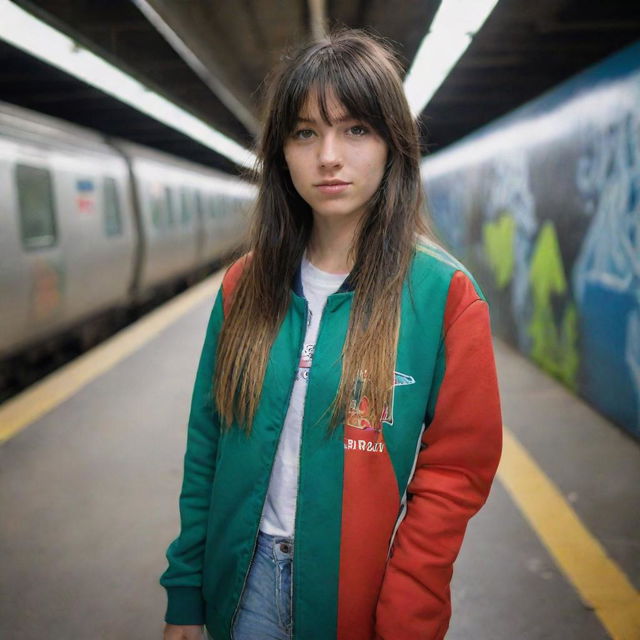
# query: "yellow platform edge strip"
599, 581
25, 408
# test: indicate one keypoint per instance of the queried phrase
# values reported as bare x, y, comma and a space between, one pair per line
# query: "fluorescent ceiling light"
451, 32
26, 32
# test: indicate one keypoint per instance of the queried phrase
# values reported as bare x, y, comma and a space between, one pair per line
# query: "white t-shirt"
278, 515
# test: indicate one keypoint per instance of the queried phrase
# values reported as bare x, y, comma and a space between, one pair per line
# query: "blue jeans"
266, 602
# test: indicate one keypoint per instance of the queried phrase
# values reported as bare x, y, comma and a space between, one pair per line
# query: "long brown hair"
364, 75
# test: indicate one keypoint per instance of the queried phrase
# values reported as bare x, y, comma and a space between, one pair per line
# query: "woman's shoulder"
235, 269
231, 278
433, 264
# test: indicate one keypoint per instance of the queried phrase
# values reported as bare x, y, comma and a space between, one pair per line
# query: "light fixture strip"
454, 26
37, 38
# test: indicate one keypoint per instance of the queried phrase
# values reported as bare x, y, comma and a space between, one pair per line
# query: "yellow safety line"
25, 408
596, 577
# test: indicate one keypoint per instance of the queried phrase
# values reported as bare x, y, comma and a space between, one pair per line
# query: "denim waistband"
281, 547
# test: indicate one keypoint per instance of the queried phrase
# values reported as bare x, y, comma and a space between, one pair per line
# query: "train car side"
95, 230
66, 233
188, 216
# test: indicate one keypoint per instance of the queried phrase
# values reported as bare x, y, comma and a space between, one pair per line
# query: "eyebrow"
344, 118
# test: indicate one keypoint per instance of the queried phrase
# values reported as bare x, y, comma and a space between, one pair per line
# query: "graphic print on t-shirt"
305, 361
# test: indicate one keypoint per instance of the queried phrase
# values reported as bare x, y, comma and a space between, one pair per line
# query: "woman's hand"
183, 632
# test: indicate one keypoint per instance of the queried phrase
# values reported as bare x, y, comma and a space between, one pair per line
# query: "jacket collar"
347, 285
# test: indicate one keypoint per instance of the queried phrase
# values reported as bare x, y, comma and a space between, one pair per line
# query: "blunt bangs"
339, 70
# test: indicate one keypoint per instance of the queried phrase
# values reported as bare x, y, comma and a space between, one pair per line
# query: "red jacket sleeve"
458, 459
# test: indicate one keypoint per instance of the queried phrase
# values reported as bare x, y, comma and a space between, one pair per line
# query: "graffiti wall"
543, 205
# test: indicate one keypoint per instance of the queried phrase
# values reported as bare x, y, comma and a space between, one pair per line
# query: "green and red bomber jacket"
382, 508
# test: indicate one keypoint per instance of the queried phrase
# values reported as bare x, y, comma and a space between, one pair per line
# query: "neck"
330, 244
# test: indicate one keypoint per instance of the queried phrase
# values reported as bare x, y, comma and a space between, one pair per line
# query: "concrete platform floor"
88, 504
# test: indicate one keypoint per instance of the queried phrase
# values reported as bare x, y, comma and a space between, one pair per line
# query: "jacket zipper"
255, 539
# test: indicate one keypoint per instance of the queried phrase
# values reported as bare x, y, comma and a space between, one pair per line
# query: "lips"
331, 187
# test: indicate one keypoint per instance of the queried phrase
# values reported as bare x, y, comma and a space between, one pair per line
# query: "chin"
335, 213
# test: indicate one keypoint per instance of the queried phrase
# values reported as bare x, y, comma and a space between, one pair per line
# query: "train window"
157, 204
187, 198
35, 199
112, 215
199, 205
214, 206
170, 206
162, 206
223, 204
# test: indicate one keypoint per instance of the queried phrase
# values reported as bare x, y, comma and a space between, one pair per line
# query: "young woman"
329, 500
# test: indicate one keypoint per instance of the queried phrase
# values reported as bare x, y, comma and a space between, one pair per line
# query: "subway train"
91, 228
543, 205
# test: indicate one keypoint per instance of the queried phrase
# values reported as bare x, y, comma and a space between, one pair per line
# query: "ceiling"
212, 58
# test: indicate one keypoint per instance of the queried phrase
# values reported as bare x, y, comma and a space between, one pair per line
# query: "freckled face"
335, 168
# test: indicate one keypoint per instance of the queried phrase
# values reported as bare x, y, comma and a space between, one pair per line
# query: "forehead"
323, 106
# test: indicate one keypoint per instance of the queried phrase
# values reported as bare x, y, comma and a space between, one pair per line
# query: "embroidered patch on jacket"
358, 415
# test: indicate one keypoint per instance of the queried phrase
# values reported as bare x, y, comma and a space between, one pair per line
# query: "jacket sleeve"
183, 577
456, 464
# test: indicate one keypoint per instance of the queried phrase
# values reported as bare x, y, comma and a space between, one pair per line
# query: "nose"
329, 154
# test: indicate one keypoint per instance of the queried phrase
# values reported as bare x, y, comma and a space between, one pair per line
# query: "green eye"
303, 134
358, 130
